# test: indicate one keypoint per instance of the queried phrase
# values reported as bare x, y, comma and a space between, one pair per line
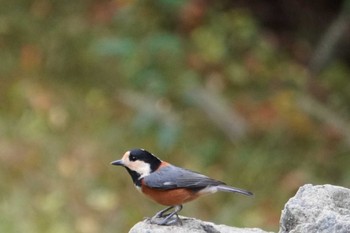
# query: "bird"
168, 184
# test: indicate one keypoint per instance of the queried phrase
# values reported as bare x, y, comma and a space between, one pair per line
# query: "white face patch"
141, 167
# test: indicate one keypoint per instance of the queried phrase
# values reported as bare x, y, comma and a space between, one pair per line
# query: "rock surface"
319, 208
190, 225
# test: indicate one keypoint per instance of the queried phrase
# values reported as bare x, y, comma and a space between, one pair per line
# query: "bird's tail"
226, 188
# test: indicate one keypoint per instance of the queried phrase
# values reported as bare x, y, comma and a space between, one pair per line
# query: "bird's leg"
160, 214
167, 220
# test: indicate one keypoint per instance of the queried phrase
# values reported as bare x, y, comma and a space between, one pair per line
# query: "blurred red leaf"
30, 57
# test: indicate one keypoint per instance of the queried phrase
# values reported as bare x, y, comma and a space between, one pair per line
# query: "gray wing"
171, 177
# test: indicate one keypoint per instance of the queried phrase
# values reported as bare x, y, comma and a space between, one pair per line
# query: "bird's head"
138, 162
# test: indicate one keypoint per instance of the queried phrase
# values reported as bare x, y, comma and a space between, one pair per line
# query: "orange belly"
170, 197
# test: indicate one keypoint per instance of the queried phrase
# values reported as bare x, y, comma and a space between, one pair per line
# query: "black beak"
117, 163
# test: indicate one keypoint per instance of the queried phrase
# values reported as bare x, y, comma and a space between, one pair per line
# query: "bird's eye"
132, 158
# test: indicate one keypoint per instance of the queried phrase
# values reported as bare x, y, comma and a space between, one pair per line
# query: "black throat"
135, 177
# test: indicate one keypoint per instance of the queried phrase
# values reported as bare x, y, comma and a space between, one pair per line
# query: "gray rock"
190, 225
320, 208
314, 209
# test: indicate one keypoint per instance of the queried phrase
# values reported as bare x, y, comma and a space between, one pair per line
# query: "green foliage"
84, 81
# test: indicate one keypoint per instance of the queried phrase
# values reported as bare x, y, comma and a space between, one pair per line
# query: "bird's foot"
171, 218
166, 221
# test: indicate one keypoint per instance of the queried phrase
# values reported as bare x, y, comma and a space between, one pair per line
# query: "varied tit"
167, 184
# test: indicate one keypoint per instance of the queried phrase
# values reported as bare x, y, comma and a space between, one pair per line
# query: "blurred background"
255, 93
